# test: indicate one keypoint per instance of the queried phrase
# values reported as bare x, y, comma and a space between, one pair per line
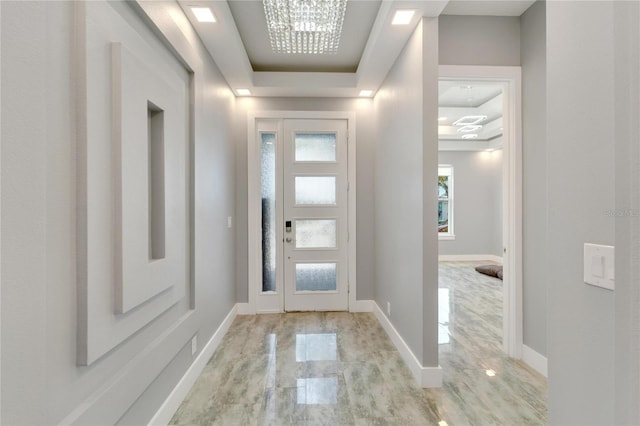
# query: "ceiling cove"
239, 42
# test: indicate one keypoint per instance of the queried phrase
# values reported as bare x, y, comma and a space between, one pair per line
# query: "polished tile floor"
341, 369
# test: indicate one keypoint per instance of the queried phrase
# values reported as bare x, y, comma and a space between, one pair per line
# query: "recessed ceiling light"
366, 93
469, 120
469, 128
490, 373
203, 14
402, 17
442, 118
469, 136
243, 92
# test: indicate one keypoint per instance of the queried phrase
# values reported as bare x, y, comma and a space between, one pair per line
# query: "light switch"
229, 222
597, 266
599, 263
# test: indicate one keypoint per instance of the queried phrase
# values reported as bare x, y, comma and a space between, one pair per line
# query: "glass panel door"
315, 215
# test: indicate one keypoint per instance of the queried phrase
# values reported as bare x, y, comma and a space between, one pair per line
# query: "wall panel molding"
141, 275
106, 404
121, 286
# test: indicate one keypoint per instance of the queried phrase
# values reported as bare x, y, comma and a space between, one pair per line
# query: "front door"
304, 215
315, 215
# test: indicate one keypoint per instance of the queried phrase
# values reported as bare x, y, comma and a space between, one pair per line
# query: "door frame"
254, 234
511, 79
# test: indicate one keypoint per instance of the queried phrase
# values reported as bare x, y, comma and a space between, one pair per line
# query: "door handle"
288, 239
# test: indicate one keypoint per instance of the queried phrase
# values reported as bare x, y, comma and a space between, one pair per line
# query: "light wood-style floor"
340, 368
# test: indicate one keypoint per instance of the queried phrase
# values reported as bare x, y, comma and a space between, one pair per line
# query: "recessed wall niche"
134, 162
155, 137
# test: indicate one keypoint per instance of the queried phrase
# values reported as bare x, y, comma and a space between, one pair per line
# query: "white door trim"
254, 257
511, 77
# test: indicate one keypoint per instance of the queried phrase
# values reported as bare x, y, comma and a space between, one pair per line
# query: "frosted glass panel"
315, 190
268, 180
315, 147
316, 276
316, 233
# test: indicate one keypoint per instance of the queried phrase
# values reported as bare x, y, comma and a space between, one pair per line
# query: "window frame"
447, 170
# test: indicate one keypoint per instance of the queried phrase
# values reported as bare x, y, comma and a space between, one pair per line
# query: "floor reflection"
272, 344
443, 316
316, 347
318, 391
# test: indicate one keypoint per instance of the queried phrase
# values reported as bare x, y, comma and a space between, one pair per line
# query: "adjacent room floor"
339, 368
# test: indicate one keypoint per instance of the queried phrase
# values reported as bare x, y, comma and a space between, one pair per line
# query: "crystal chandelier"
305, 26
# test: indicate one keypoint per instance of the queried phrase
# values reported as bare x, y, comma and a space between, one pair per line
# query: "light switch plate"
229, 222
599, 264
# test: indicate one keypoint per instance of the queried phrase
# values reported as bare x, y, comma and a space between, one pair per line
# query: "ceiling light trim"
203, 14
403, 17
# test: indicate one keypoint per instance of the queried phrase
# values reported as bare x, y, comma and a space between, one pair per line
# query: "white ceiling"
239, 43
457, 99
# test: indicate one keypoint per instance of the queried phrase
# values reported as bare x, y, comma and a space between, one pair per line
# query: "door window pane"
316, 233
268, 181
316, 276
315, 147
315, 190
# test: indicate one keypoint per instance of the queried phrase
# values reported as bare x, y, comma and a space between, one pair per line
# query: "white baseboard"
244, 309
170, 405
362, 306
534, 360
269, 311
469, 257
426, 377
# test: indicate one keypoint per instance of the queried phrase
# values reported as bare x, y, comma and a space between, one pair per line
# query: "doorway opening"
480, 214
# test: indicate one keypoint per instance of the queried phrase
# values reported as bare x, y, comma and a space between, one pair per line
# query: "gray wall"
477, 192
365, 135
41, 383
627, 176
430, 75
534, 176
581, 188
479, 40
405, 196
398, 193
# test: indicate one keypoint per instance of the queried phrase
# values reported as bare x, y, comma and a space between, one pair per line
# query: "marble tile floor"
339, 368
